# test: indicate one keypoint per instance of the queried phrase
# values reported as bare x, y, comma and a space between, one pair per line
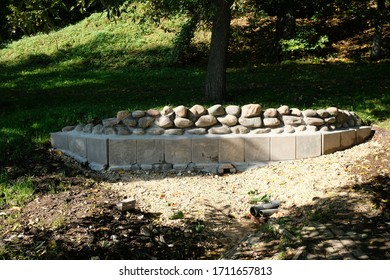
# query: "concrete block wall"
161, 152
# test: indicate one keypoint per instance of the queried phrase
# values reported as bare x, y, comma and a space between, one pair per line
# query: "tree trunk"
216, 68
285, 29
376, 50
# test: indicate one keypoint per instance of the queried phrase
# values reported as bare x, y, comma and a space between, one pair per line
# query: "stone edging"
201, 152
217, 119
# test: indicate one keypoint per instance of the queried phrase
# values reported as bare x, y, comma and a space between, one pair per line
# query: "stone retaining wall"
196, 138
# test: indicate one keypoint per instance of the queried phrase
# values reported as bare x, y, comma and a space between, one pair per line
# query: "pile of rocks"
217, 119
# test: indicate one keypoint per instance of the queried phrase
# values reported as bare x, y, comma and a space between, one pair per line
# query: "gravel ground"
223, 202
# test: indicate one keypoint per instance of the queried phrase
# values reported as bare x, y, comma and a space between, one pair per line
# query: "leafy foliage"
305, 41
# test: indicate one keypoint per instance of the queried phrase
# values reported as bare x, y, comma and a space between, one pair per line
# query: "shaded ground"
74, 216
352, 224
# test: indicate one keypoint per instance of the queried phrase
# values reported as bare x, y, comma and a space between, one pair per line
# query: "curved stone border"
200, 152
221, 120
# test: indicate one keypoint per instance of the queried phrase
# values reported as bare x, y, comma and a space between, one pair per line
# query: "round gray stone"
198, 110
88, 128
155, 131
79, 127
240, 129
284, 110
164, 121
122, 114
174, 131
271, 122
292, 120
109, 130
296, 112
166, 110
323, 113
145, 122
183, 122
98, 129
254, 122
220, 130
251, 110
181, 111
122, 130
68, 128
206, 121
233, 110
330, 120
110, 122
216, 110
153, 113
314, 121
229, 120
277, 130
289, 129
129, 121
310, 113
137, 131
270, 113
261, 131
138, 114
196, 131
333, 111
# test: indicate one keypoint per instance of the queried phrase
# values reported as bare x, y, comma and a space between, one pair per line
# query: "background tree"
216, 67
219, 10
376, 50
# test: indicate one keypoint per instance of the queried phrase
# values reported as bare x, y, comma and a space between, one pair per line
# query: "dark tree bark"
216, 68
285, 29
376, 50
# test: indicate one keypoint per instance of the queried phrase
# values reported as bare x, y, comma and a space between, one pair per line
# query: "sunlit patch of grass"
15, 193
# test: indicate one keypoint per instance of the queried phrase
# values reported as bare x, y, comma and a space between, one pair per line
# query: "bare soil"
187, 215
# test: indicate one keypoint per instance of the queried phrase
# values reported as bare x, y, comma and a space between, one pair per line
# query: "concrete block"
150, 151
307, 146
122, 152
205, 150
242, 166
59, 140
147, 166
226, 168
77, 145
257, 149
126, 204
362, 133
121, 167
331, 142
282, 147
97, 166
97, 152
180, 166
206, 167
348, 138
178, 151
231, 150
